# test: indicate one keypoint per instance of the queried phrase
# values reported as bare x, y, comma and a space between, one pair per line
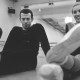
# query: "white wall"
52, 34
7, 21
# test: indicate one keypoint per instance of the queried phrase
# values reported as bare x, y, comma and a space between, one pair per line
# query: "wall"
52, 34
7, 21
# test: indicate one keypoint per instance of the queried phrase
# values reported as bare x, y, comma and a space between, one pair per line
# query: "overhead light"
39, 10
26, 6
51, 3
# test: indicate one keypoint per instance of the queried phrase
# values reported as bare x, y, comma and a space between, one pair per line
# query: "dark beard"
26, 27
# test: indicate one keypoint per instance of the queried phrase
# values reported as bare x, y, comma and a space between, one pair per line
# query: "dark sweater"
21, 47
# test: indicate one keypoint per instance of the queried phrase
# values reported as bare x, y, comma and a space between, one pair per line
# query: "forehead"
25, 15
76, 7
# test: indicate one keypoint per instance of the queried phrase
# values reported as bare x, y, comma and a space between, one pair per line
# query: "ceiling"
39, 1
47, 7
42, 7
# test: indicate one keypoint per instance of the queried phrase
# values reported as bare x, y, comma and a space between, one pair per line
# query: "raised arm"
69, 43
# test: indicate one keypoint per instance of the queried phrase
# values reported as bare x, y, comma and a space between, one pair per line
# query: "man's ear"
32, 19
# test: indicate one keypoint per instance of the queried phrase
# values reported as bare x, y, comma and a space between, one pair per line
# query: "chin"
78, 21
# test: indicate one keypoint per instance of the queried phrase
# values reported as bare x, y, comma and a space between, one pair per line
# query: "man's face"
76, 13
26, 20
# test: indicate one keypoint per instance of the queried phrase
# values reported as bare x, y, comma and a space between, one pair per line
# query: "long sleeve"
10, 43
43, 39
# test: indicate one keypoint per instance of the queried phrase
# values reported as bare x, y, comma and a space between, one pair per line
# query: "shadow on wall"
54, 24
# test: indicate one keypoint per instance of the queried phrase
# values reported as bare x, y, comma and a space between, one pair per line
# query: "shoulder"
16, 28
38, 26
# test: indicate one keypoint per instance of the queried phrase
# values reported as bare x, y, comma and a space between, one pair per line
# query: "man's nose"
25, 20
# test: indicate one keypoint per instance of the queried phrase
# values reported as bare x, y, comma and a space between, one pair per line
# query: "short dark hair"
26, 11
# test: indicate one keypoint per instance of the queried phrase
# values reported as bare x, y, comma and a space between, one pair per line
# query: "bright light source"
68, 19
39, 10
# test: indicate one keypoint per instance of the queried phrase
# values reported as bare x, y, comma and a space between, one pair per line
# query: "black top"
66, 29
22, 46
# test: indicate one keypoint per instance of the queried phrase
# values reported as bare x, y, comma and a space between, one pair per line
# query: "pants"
12, 66
70, 75
15, 63
7, 69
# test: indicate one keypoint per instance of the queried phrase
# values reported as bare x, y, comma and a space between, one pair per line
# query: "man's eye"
23, 19
28, 19
74, 11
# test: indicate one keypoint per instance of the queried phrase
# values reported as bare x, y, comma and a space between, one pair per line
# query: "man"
21, 48
67, 52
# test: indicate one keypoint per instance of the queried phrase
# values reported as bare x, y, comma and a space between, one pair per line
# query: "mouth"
77, 17
27, 25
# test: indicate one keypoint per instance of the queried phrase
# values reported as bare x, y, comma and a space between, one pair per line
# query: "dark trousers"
16, 65
7, 69
70, 75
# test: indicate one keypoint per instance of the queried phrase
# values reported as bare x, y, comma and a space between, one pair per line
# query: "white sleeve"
69, 43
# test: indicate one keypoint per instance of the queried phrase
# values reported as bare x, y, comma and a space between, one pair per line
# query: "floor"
31, 75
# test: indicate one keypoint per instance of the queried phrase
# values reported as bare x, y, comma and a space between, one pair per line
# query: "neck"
25, 28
